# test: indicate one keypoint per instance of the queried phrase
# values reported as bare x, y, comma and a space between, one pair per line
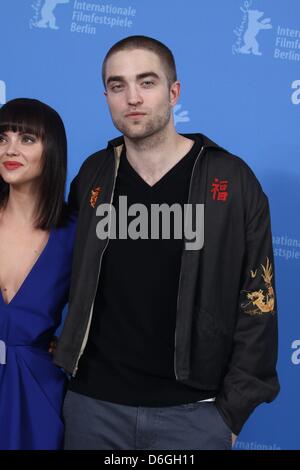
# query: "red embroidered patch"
94, 196
219, 190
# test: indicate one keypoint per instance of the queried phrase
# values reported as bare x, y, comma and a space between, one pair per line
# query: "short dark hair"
39, 119
150, 44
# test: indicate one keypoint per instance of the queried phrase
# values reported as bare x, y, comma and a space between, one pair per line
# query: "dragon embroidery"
263, 301
94, 196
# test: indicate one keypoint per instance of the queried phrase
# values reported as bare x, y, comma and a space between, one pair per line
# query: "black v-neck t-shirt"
129, 358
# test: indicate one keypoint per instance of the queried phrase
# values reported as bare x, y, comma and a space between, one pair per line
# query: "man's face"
138, 93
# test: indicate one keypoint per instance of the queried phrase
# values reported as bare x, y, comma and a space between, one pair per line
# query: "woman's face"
20, 157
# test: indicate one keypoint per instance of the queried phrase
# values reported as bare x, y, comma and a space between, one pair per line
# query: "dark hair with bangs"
149, 44
32, 116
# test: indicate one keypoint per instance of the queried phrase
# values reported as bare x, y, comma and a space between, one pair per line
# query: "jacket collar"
118, 142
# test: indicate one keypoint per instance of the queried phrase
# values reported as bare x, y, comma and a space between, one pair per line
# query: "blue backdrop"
239, 65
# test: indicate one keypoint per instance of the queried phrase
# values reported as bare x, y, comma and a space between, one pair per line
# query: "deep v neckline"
166, 176
29, 274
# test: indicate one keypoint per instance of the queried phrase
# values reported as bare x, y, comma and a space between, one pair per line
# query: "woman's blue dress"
31, 386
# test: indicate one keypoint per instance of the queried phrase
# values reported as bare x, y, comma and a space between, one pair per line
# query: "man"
171, 344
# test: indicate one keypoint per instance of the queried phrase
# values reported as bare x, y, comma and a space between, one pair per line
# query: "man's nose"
134, 97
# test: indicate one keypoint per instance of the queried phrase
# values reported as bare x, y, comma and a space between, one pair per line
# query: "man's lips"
12, 165
135, 115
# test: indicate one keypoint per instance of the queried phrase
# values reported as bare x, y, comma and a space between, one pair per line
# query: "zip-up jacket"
226, 324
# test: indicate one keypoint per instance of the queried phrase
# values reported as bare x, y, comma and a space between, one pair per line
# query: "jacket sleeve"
251, 376
80, 186
73, 198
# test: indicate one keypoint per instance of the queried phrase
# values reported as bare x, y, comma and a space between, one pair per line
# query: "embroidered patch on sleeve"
261, 301
94, 196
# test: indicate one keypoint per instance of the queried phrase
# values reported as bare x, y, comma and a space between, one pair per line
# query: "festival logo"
180, 116
252, 23
84, 17
284, 246
254, 445
44, 13
252, 29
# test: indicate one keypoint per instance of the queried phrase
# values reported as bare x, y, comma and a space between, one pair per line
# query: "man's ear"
174, 92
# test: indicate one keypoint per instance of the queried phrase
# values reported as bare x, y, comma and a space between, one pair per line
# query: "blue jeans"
101, 425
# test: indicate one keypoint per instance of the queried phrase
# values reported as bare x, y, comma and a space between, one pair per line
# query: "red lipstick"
12, 165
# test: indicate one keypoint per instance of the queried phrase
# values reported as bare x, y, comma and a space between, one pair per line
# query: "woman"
36, 238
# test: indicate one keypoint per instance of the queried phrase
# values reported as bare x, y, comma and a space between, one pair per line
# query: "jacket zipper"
82, 348
180, 274
99, 269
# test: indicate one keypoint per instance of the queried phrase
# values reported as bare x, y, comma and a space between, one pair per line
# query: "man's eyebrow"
147, 74
140, 76
115, 78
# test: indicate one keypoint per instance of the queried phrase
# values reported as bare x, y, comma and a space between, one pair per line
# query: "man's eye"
117, 87
2, 139
147, 83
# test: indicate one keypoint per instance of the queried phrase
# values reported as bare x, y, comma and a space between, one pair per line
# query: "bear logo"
255, 24
47, 16
180, 116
